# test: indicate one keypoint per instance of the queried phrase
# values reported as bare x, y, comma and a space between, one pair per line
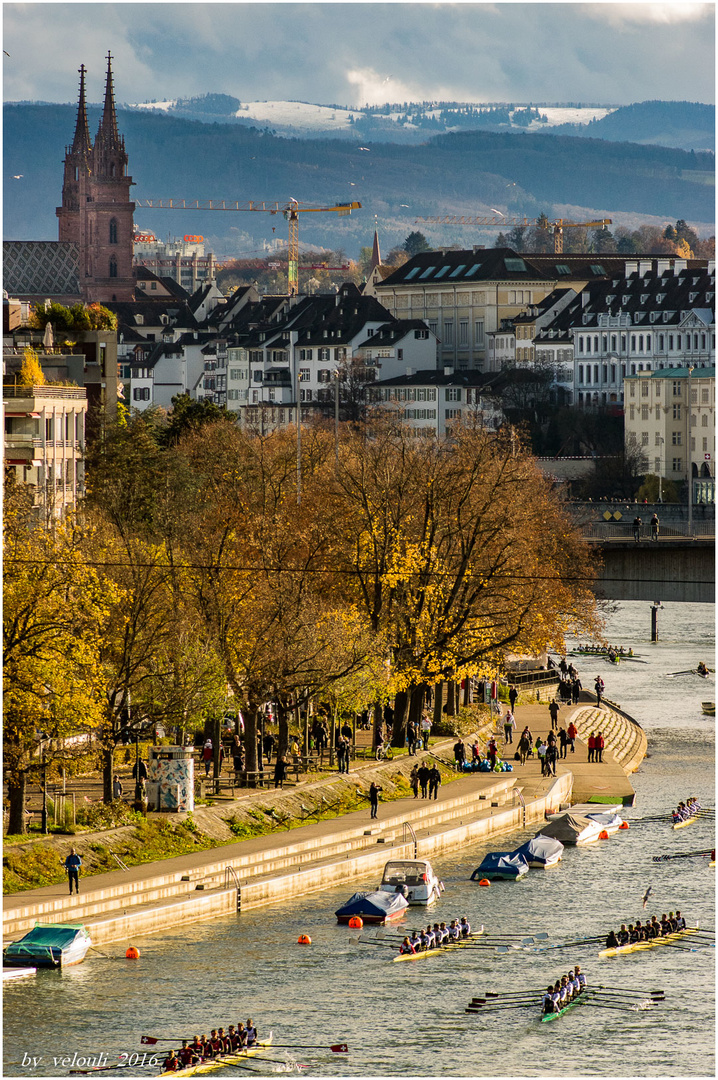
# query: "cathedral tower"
96, 211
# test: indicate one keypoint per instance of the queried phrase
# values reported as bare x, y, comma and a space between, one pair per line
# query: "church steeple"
81, 146
110, 156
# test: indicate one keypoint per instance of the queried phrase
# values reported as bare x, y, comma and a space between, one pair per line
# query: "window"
631, 412
588, 344
677, 438
580, 344
324, 375
305, 374
421, 335
428, 272
141, 393
113, 267
588, 374
324, 354
595, 343
479, 332
677, 392
633, 342
661, 341
705, 397
305, 354
704, 420
644, 438
452, 393
677, 464
113, 230
515, 266
455, 273
463, 332
644, 389
614, 340
433, 326
644, 412
632, 389
440, 273
452, 414
705, 444
448, 332
613, 373
694, 397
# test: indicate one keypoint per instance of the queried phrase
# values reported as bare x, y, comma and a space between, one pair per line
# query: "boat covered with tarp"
571, 829
608, 821
373, 907
49, 945
541, 851
501, 866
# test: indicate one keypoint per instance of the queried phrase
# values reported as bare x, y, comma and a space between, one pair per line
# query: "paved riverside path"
604, 779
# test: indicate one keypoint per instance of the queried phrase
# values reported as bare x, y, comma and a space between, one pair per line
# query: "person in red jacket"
572, 732
599, 747
592, 746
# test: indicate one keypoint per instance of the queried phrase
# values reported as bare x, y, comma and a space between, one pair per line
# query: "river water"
409, 1019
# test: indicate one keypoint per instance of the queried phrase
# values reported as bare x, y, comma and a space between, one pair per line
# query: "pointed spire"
375, 253
81, 145
107, 133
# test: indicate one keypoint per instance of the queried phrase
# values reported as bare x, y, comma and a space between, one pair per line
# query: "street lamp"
661, 443
688, 457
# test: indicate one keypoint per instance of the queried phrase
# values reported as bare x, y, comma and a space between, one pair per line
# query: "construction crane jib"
539, 223
291, 211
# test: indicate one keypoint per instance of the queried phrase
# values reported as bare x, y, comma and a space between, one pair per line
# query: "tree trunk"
439, 702
377, 725
283, 725
250, 738
451, 698
467, 691
417, 704
16, 794
402, 704
108, 771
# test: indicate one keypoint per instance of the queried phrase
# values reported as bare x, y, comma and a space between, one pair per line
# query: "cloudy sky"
354, 53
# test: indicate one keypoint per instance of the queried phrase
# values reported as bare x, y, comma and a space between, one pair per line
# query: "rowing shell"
442, 948
579, 1000
220, 1062
688, 821
654, 943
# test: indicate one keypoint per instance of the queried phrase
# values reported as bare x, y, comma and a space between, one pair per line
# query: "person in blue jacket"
72, 864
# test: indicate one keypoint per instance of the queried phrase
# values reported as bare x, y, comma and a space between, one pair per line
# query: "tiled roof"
436, 377
41, 268
453, 267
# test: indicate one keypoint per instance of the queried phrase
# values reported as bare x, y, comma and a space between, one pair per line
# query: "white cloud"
374, 88
649, 13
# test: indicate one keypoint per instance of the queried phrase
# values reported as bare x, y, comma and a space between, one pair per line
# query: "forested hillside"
469, 172
688, 125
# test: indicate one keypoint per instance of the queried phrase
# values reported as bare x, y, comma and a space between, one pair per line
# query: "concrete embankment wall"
274, 886
623, 736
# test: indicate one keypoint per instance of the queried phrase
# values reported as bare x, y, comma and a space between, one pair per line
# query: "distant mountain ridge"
685, 125
472, 172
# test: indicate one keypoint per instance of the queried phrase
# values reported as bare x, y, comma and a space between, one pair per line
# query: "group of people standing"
428, 779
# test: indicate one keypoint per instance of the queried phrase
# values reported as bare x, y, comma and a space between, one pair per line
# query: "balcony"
71, 393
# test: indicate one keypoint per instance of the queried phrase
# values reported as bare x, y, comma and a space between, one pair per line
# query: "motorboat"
373, 907
54, 945
415, 879
501, 866
541, 851
572, 829
708, 708
608, 820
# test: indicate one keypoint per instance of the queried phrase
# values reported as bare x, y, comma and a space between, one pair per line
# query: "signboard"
707, 457
193, 239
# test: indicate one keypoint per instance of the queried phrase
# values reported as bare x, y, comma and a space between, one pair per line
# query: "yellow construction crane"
540, 223
290, 210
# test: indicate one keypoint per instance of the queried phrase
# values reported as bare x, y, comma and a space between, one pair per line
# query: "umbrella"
49, 338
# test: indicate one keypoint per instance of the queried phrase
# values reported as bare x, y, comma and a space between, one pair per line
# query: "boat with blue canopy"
501, 866
541, 851
373, 907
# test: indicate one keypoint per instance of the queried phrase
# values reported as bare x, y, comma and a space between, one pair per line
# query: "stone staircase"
624, 738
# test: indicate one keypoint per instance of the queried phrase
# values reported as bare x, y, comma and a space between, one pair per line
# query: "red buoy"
624, 825
304, 939
603, 835
132, 953
356, 922
484, 881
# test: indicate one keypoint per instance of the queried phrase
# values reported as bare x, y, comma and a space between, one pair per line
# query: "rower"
196, 1047
251, 1033
702, 669
171, 1063
241, 1034
206, 1050
464, 926
406, 948
612, 940
580, 976
665, 925
547, 1002
416, 941
424, 938
633, 934
234, 1040
640, 931
454, 931
438, 938
680, 921
623, 935
215, 1043
187, 1055
430, 938
226, 1044
655, 927
575, 983
673, 921
443, 930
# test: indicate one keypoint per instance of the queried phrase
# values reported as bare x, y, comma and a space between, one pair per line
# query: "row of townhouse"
659, 315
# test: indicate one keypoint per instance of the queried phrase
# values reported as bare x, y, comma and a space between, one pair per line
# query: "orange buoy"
603, 835
356, 922
304, 939
624, 825
132, 953
484, 881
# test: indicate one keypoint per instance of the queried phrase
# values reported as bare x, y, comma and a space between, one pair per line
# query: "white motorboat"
608, 821
414, 879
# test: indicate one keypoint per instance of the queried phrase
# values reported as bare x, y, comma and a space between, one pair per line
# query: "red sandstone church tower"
96, 212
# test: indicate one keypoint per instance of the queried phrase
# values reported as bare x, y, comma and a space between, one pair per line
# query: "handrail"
523, 804
119, 862
230, 870
404, 826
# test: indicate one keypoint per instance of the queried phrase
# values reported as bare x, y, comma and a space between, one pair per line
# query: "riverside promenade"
267, 869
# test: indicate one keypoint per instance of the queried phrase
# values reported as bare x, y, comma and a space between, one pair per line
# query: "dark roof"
390, 333
677, 373
436, 377
451, 267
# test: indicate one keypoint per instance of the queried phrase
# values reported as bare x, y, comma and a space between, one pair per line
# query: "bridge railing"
623, 530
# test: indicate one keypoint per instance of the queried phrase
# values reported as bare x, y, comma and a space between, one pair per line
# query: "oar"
616, 1008
602, 987
573, 944
532, 1003
513, 993
337, 1048
683, 855
97, 1068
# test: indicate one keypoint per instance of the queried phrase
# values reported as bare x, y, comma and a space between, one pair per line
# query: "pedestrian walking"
116, 787
492, 751
553, 707
599, 747
414, 781
280, 771
592, 746
599, 688
374, 790
655, 526
524, 748
341, 746
434, 782
572, 732
551, 755
513, 694
563, 742
411, 737
541, 749
509, 725
140, 768
637, 523
72, 864
423, 775
575, 689
459, 753
425, 730
268, 745
207, 756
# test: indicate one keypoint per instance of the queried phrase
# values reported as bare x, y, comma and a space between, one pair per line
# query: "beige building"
45, 444
670, 418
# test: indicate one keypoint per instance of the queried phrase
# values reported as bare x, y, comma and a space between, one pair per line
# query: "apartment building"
430, 401
670, 418
45, 444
